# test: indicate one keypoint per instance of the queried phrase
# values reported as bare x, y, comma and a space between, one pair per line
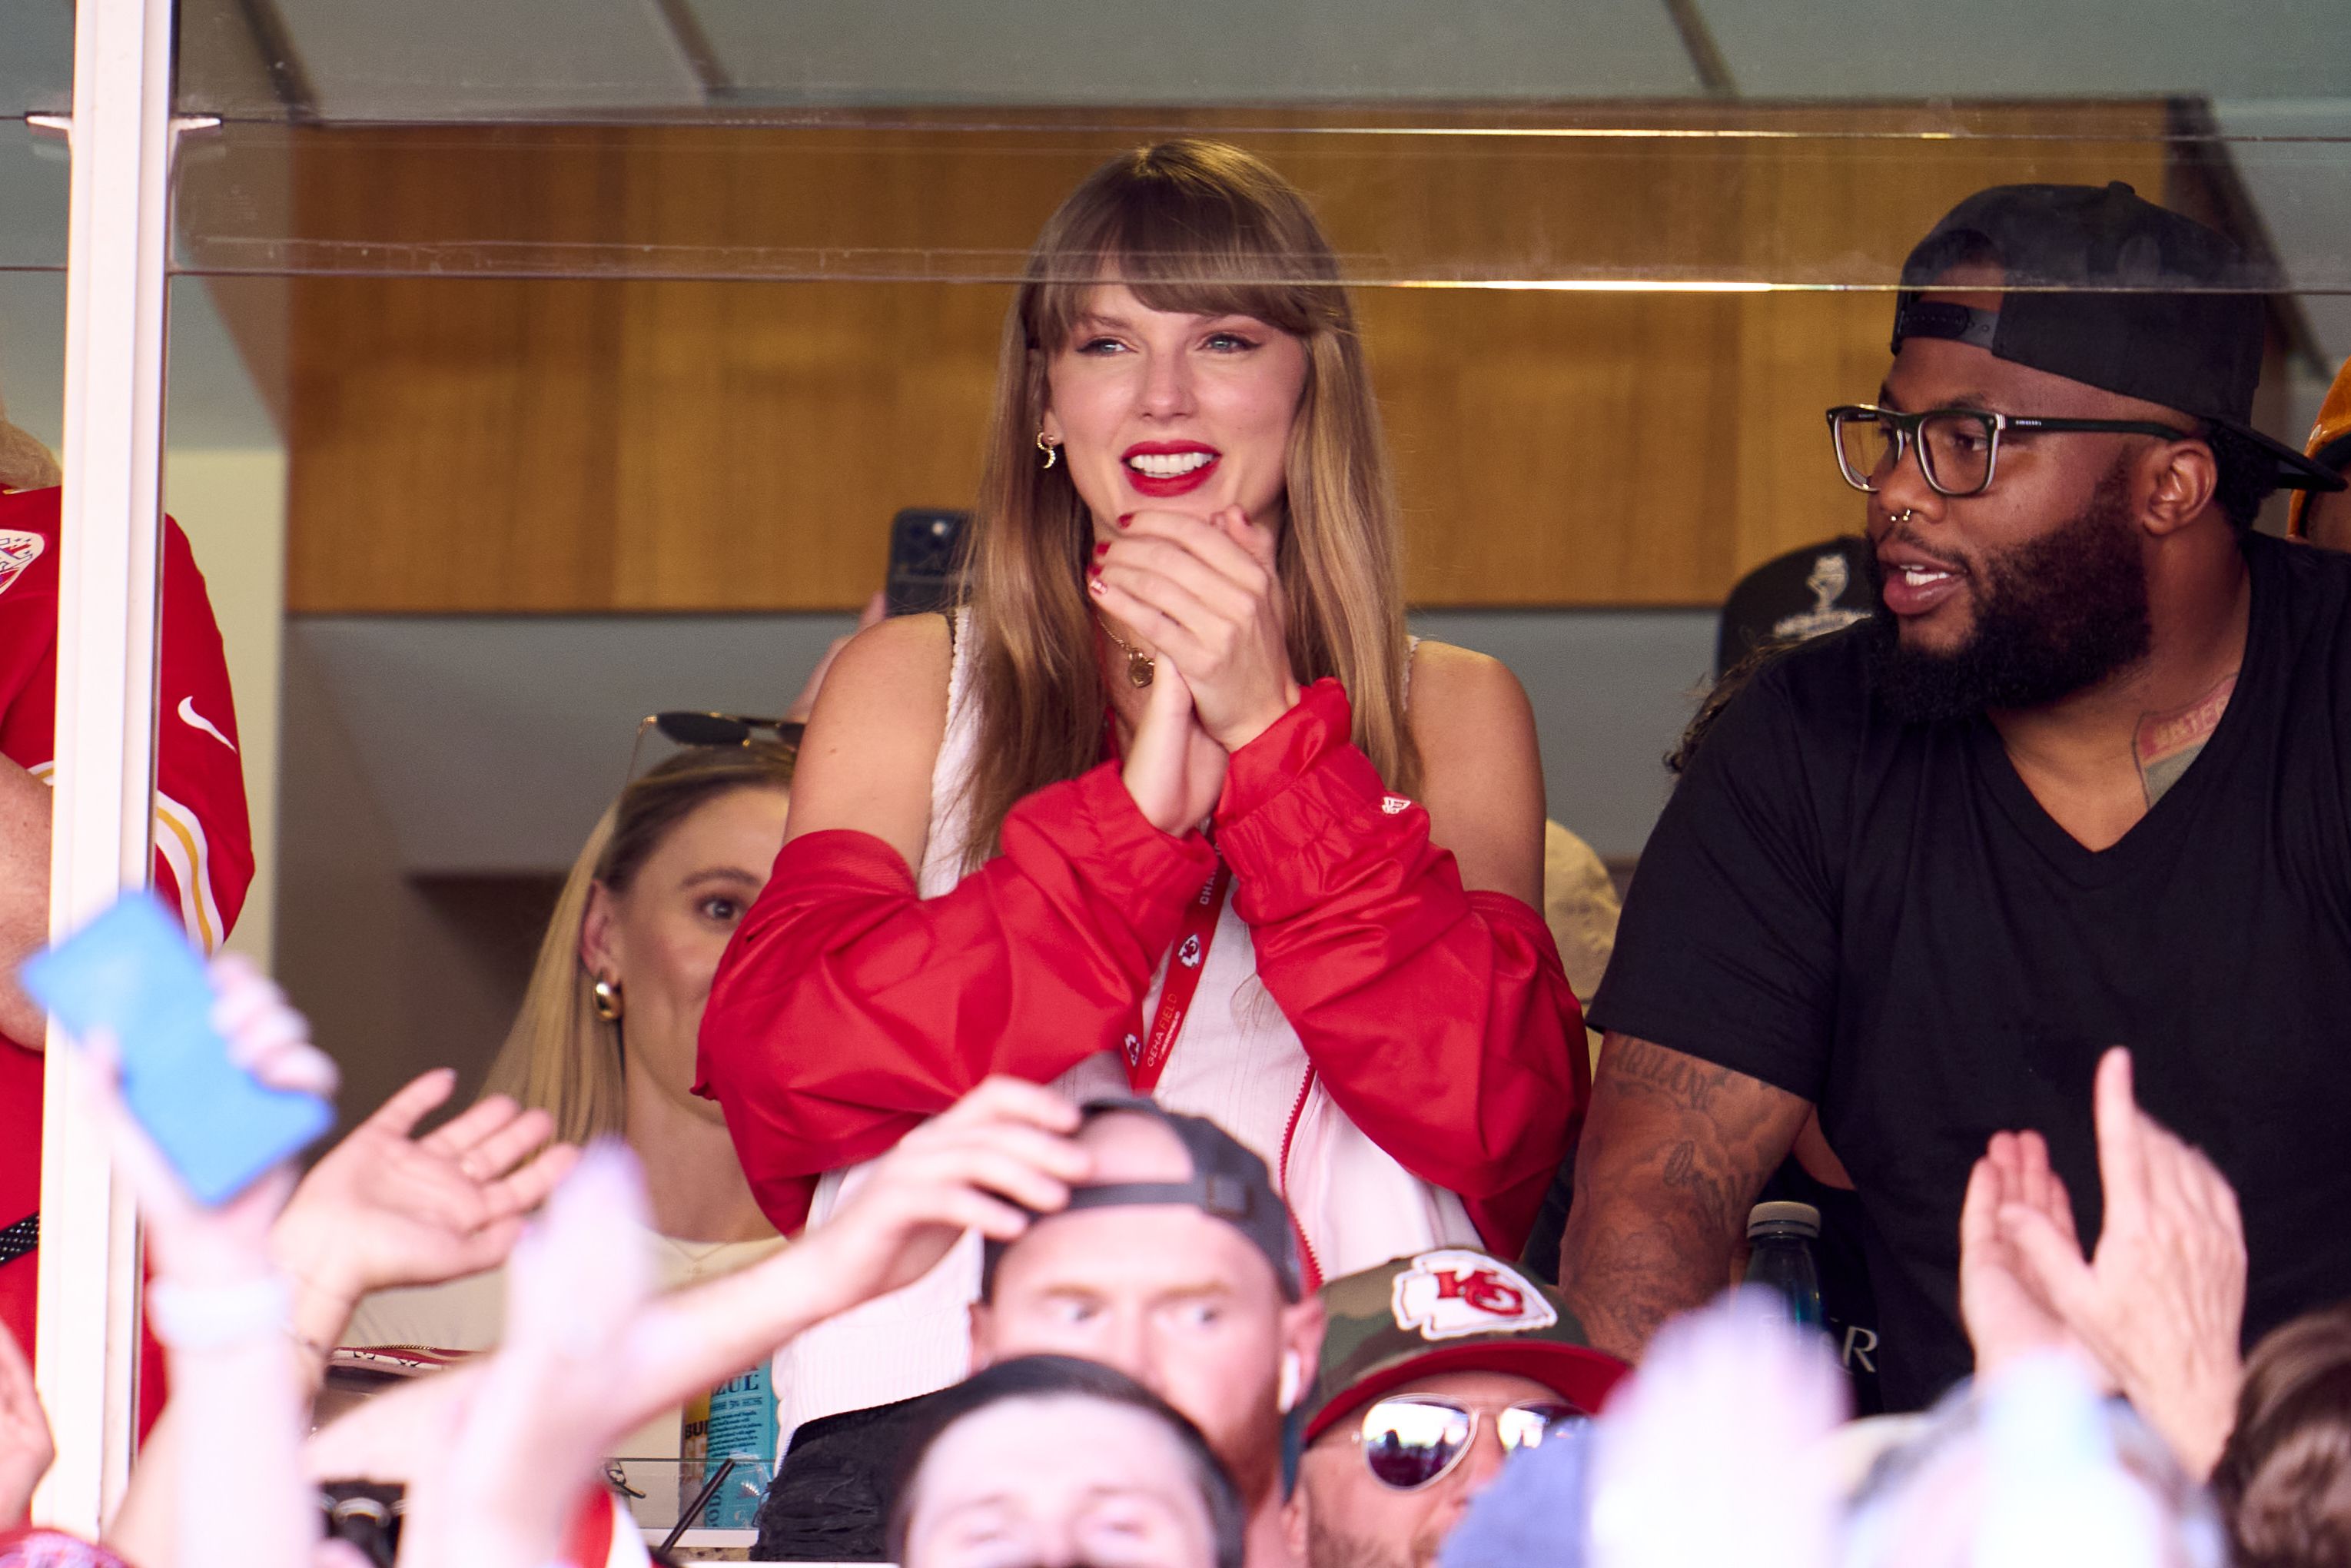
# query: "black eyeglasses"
1958, 448
687, 726
1412, 1440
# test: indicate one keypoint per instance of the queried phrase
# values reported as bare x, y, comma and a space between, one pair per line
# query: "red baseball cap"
1453, 1309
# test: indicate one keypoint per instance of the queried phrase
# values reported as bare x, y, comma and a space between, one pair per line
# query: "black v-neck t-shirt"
1880, 917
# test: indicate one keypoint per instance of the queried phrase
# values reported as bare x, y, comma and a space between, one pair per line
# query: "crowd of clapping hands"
1732, 1440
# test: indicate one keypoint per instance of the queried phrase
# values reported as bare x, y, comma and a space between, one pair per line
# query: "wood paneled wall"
675, 442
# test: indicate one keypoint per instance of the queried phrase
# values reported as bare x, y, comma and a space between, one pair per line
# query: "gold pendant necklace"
1140, 665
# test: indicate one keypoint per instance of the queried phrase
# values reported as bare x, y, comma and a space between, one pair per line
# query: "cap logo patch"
17, 551
1454, 1293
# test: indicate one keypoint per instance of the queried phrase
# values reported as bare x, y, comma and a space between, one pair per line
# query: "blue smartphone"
131, 972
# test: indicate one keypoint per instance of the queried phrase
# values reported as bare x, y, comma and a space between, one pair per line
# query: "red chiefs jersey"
204, 842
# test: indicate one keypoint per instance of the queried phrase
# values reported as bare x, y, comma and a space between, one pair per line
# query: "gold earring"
1049, 448
607, 1001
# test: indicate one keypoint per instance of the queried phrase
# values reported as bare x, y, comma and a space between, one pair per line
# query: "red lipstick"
1161, 487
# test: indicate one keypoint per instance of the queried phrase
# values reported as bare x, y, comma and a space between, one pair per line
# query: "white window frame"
119, 234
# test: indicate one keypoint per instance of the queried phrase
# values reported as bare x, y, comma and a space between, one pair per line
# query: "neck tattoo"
2166, 743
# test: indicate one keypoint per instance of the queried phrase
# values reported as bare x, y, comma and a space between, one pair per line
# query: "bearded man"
2084, 779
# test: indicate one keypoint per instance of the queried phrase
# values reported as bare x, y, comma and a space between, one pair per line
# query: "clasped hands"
1206, 594
2156, 1310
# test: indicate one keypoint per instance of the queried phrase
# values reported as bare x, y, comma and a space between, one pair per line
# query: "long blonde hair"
561, 1055
1200, 228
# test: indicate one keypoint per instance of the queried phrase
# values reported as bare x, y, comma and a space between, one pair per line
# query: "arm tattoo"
2166, 743
1673, 1152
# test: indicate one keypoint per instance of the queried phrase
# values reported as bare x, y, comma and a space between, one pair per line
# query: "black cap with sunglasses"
1454, 1309
2102, 287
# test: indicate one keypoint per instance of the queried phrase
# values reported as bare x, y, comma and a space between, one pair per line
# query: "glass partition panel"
33, 174
580, 353
35, 57
33, 179
1696, 197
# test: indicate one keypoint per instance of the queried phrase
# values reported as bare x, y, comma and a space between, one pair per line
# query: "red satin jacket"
848, 1008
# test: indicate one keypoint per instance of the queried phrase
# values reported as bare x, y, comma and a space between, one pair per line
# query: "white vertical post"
118, 229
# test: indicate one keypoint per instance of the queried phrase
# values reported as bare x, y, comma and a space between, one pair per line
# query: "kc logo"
17, 551
1188, 955
1452, 1293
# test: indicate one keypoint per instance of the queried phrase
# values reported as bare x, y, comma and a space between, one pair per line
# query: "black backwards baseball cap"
2106, 289
1229, 1182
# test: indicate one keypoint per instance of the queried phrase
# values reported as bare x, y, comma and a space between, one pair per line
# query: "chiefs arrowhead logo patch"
1452, 1293
17, 551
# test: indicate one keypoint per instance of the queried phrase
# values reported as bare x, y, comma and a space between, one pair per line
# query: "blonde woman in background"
605, 1039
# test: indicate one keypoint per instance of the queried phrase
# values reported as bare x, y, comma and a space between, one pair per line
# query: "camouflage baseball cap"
1452, 1310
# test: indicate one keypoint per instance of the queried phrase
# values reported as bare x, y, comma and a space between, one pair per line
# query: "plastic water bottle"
1780, 1238
742, 1428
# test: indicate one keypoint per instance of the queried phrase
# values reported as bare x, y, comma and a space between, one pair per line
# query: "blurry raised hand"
385, 1208
269, 1040
2007, 1318
498, 1453
381, 1209
233, 1494
527, 1442
1710, 1452
2161, 1302
26, 1449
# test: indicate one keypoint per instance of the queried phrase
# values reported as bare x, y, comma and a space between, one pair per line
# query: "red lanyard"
1146, 1059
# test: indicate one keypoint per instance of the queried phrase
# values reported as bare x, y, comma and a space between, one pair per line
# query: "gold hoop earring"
1049, 448
608, 1000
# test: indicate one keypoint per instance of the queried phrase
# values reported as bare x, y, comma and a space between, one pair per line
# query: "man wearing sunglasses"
1433, 1368
2085, 780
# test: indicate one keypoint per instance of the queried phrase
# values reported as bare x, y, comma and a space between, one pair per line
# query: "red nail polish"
1092, 570
1103, 549
1124, 518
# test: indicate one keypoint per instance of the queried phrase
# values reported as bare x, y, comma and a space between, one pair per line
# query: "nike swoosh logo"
195, 720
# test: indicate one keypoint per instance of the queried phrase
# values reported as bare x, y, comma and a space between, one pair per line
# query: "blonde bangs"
1213, 232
